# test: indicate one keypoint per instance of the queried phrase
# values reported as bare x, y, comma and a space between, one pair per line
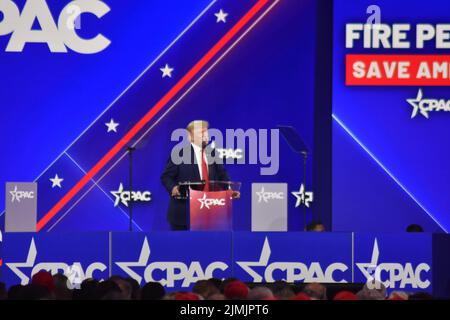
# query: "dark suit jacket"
175, 173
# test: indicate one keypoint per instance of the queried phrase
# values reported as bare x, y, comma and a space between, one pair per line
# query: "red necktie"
205, 171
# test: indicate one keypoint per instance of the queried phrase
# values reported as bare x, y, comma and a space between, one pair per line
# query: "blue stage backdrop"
390, 145
55, 105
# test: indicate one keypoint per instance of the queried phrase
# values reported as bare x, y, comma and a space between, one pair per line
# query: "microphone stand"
130, 150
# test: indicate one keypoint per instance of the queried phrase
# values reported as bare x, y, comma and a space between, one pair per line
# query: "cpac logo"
52, 267
228, 153
303, 197
294, 271
17, 195
427, 105
58, 37
266, 195
172, 270
126, 196
393, 273
208, 202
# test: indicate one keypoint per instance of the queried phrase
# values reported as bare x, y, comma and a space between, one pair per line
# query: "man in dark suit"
198, 164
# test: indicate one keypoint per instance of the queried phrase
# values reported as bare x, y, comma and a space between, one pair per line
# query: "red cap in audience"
186, 296
345, 295
45, 279
301, 296
236, 290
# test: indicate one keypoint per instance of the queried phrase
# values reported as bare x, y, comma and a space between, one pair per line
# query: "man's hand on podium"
236, 195
175, 192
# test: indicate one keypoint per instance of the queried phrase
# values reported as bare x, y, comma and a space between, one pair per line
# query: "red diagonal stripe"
153, 111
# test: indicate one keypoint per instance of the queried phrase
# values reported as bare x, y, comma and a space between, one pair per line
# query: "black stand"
130, 203
305, 158
298, 146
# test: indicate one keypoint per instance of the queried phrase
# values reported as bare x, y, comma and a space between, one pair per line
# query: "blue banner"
78, 256
293, 257
176, 260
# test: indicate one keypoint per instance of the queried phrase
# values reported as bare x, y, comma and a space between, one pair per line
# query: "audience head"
108, 290
152, 291
315, 226
135, 288
62, 292
372, 291
316, 291
282, 290
205, 288
216, 282
260, 293
124, 286
414, 228
398, 295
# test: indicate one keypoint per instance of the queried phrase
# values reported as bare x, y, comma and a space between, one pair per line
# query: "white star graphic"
166, 71
303, 197
117, 195
415, 103
203, 202
31, 258
263, 261
221, 16
142, 262
112, 126
56, 181
369, 269
14, 195
260, 194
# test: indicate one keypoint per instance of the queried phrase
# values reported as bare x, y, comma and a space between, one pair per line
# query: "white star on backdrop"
56, 181
415, 103
112, 126
303, 197
31, 258
260, 195
142, 262
14, 195
221, 16
262, 262
166, 71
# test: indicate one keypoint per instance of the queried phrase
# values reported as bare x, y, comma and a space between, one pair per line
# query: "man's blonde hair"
197, 124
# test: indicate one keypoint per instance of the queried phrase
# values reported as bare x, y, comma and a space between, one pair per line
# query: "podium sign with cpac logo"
21, 206
210, 211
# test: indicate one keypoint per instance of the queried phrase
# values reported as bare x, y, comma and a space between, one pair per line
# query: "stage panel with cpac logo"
407, 262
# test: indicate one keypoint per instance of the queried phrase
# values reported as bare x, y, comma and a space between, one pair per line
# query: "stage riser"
178, 259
